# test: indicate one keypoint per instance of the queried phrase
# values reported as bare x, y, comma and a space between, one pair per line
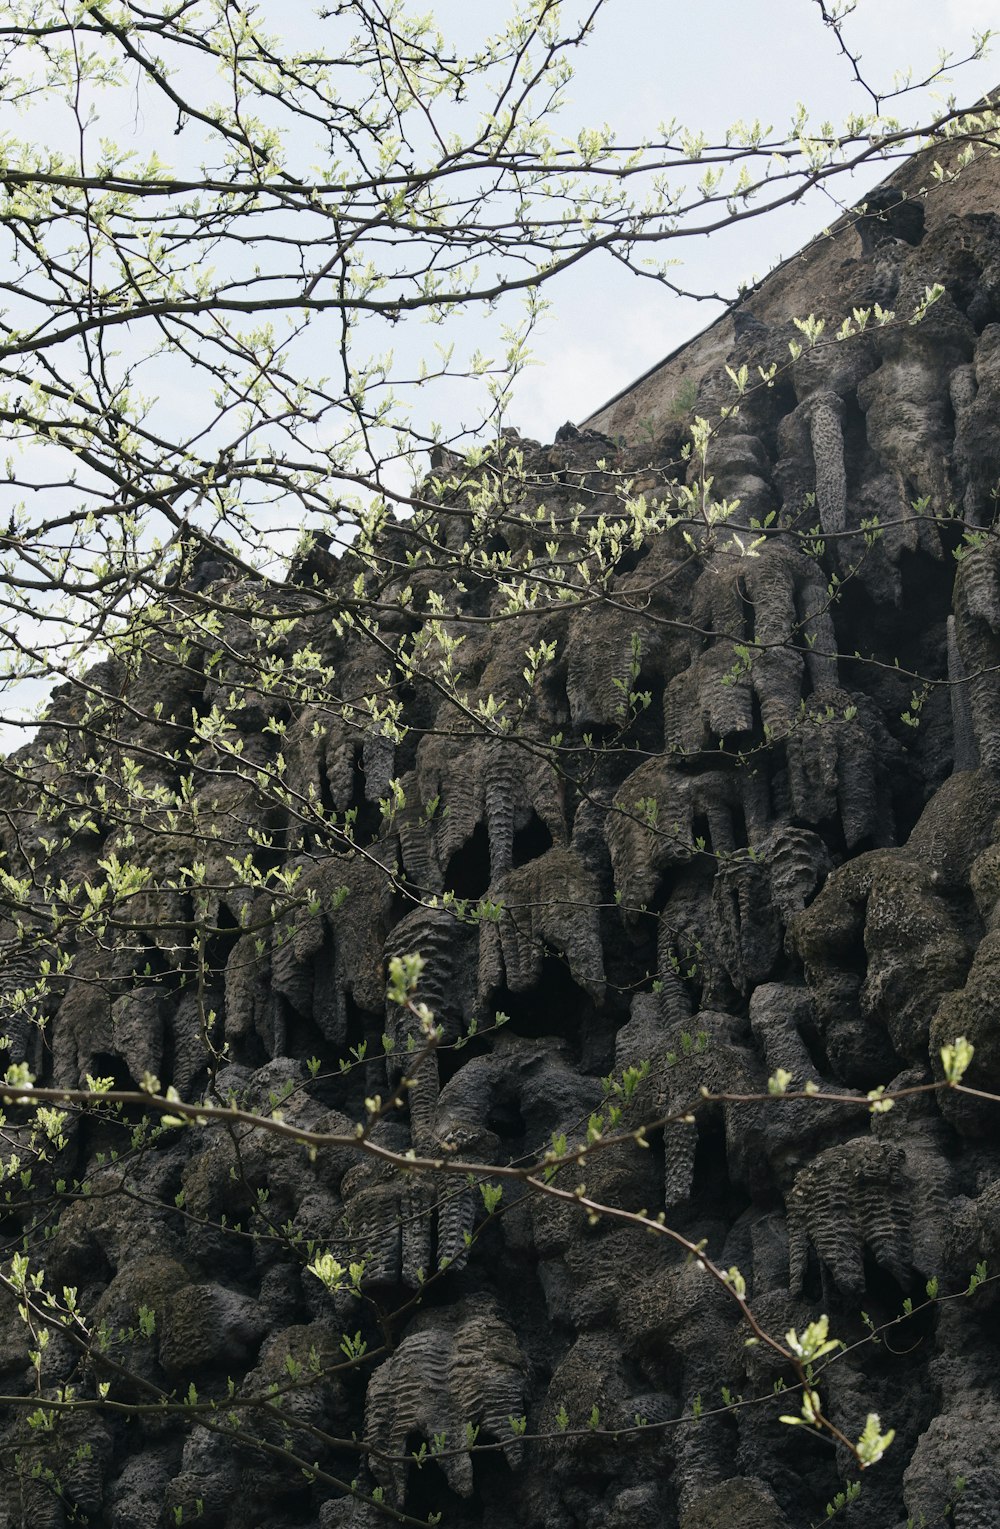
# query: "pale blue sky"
702, 62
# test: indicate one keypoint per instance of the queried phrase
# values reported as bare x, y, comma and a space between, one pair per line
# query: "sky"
703, 63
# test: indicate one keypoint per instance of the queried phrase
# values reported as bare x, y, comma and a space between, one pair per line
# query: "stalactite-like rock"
467, 1370
714, 851
548, 905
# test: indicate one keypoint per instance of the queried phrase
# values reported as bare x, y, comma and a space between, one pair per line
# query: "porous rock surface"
770, 868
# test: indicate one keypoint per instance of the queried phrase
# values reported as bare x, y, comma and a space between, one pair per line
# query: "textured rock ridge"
748, 822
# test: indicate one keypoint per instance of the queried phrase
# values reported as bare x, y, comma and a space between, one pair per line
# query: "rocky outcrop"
730, 814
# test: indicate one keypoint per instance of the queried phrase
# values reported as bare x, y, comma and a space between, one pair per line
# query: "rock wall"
936, 184
765, 838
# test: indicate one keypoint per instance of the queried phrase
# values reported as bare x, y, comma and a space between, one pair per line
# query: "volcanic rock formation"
766, 840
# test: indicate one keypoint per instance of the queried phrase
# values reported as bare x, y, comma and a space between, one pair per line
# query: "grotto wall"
788, 857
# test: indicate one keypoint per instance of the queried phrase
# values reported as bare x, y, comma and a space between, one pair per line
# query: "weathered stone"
729, 840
